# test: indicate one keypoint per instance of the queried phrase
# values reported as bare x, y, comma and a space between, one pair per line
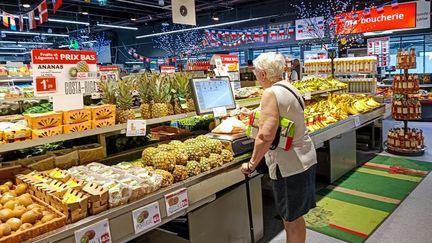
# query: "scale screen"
212, 93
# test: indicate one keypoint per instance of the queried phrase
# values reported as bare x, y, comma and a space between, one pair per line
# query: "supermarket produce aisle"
406, 224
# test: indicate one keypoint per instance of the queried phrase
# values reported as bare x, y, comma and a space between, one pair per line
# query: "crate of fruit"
47, 132
98, 200
73, 204
103, 122
102, 111
44, 120
76, 116
16, 133
77, 127
38, 220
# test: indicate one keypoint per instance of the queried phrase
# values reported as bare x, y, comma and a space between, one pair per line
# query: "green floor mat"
355, 205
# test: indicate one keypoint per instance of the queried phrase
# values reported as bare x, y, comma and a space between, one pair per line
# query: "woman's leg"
295, 231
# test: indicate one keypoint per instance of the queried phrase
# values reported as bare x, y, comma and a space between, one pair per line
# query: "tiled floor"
410, 222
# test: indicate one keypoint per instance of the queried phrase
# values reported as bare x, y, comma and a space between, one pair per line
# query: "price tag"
220, 111
176, 201
98, 232
136, 128
146, 217
96, 95
87, 75
357, 121
308, 96
46, 84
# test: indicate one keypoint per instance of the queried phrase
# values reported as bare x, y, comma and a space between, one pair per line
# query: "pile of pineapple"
161, 95
176, 161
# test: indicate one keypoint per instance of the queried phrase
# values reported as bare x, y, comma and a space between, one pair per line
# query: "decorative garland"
141, 58
42, 10
230, 38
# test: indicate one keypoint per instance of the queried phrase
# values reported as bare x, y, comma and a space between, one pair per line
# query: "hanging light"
215, 17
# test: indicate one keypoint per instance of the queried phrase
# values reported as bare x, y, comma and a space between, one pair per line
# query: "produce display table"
203, 189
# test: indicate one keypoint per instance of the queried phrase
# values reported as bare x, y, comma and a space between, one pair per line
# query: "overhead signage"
183, 12
380, 47
64, 72
423, 14
310, 28
167, 69
377, 19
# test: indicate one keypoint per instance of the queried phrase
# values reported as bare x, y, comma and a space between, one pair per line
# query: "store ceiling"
117, 12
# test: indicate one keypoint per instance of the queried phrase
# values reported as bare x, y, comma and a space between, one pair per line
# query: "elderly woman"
292, 171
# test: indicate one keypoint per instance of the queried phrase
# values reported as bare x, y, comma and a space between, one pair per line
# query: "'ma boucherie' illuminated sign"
389, 17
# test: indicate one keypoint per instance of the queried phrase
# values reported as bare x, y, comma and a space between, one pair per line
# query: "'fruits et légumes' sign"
64, 72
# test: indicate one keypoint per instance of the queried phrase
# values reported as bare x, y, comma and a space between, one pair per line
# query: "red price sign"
46, 84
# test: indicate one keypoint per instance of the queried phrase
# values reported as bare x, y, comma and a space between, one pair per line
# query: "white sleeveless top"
302, 153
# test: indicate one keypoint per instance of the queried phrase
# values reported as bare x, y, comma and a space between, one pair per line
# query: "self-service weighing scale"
209, 94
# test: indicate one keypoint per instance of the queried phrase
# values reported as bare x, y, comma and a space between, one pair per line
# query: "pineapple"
177, 144
215, 146
193, 168
182, 93
189, 141
167, 178
143, 85
161, 96
170, 108
180, 151
166, 147
124, 102
180, 173
203, 138
147, 155
205, 164
149, 168
108, 92
216, 160
227, 156
204, 148
164, 161
191, 105
193, 152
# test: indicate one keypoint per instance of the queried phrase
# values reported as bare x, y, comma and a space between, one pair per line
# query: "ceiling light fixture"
133, 19
12, 48
84, 13
12, 53
215, 17
32, 33
68, 21
26, 5
117, 27
35, 43
134, 62
204, 27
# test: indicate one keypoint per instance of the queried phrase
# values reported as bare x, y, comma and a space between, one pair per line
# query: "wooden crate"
76, 116
47, 132
73, 211
102, 111
16, 134
44, 120
98, 198
78, 127
103, 122
35, 231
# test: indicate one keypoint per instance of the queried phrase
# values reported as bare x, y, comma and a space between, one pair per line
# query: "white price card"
135, 128
357, 121
308, 96
146, 217
220, 111
176, 201
95, 233
68, 102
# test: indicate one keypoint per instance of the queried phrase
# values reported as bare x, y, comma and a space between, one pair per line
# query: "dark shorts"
294, 195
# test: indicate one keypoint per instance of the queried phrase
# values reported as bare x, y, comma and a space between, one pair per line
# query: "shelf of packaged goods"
16, 80
97, 131
201, 189
352, 123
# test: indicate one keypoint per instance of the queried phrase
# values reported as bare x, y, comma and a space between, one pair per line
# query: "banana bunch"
314, 83
324, 112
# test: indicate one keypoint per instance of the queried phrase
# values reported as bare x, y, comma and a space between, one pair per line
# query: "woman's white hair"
272, 63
